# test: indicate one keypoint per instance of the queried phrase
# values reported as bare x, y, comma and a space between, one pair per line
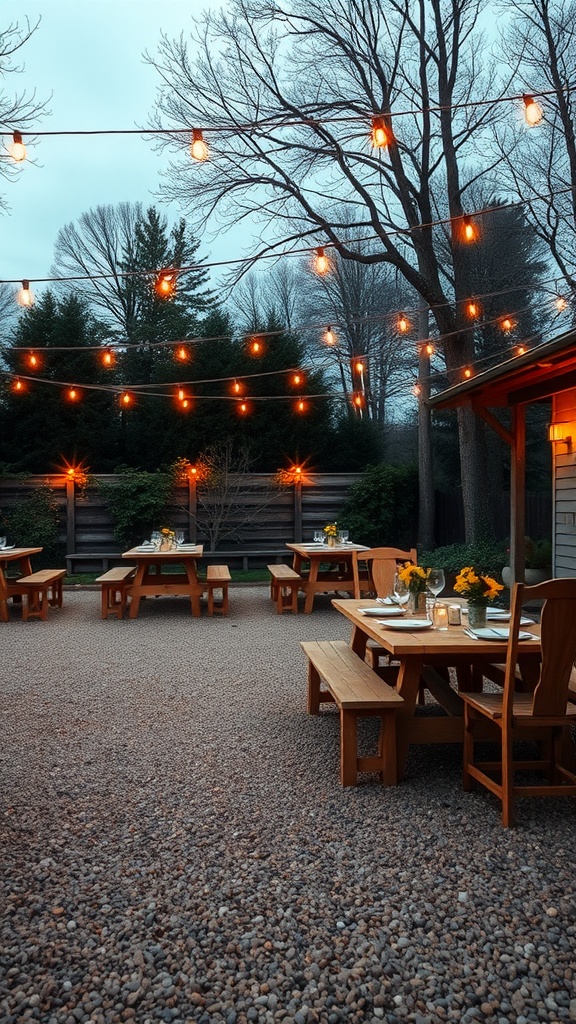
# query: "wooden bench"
115, 585
284, 586
358, 692
40, 589
217, 578
103, 558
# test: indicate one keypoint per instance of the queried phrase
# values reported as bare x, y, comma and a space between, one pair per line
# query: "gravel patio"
175, 844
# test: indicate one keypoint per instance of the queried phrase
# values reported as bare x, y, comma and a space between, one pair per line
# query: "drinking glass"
155, 538
401, 591
435, 582
318, 536
179, 537
2, 542
344, 534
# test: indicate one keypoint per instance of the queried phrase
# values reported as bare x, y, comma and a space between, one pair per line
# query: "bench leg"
113, 600
348, 748
55, 599
36, 604
387, 748
313, 690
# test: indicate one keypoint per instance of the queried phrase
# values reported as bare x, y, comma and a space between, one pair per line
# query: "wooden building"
544, 373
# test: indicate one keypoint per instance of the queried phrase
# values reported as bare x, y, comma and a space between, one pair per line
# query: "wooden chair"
378, 577
545, 713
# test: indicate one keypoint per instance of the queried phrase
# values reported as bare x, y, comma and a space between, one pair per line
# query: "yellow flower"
167, 532
414, 576
476, 587
331, 529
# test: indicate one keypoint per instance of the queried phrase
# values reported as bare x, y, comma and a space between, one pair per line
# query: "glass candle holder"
440, 619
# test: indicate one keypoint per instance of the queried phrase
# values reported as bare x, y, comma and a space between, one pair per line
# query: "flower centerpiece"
479, 590
414, 576
167, 538
330, 532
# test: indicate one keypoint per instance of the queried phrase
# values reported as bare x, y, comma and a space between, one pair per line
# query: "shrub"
34, 521
138, 503
381, 508
487, 557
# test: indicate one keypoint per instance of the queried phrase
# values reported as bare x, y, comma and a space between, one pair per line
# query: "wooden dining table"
341, 574
425, 655
22, 558
151, 581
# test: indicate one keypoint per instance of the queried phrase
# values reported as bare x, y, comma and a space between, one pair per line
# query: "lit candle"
454, 616
440, 616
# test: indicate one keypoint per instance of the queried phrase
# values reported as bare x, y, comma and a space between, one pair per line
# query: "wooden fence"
292, 513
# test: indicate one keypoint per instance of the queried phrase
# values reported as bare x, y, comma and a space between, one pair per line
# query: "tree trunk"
474, 475
425, 469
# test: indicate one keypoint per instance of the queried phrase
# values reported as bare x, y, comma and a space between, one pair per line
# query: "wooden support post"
192, 507
518, 496
298, 510
70, 515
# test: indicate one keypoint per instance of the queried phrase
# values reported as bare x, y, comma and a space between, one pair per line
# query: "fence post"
298, 509
192, 506
70, 515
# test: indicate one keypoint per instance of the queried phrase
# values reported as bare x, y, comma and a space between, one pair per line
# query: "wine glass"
344, 534
155, 538
2, 542
436, 582
179, 537
401, 591
318, 536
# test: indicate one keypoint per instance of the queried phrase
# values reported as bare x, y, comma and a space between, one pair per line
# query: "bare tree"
19, 110
291, 89
541, 44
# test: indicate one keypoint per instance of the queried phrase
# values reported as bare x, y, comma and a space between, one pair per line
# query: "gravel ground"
175, 844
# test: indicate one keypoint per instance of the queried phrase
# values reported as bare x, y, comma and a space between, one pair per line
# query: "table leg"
134, 594
408, 684
310, 584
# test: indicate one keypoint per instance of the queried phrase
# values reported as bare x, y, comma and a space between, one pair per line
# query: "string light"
165, 283
464, 229
180, 394
33, 361
73, 394
242, 408
322, 263
300, 405
467, 373
381, 135
256, 347
533, 112
417, 389
403, 324
473, 309
329, 337
297, 379
16, 148
507, 324
237, 388
429, 349
25, 296
18, 386
181, 353
108, 358
520, 350
561, 303
198, 147
126, 399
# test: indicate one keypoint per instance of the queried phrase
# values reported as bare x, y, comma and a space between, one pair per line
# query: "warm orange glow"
108, 357
403, 324
417, 390
562, 432
533, 112
256, 347
180, 394
469, 229
25, 297
186, 404
507, 324
198, 148
33, 361
467, 372
165, 284
126, 399
473, 309
73, 394
429, 349
382, 135
561, 303
358, 401
181, 353
77, 473
300, 405
520, 350
329, 336
237, 387
322, 263
243, 408
18, 386
16, 148
359, 367
297, 378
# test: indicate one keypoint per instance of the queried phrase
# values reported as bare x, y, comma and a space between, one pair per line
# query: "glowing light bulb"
533, 112
165, 284
126, 398
520, 350
472, 309
506, 324
181, 353
467, 372
359, 367
16, 148
469, 231
181, 394
403, 324
322, 263
358, 401
416, 390
33, 361
296, 379
236, 388
25, 296
256, 347
429, 349
329, 336
108, 358
300, 405
18, 386
381, 134
186, 404
561, 303
243, 408
198, 148
73, 395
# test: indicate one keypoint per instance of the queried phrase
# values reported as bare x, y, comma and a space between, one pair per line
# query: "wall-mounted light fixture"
562, 433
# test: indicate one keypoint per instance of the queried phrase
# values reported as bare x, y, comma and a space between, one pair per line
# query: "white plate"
498, 633
187, 547
150, 548
378, 611
504, 616
408, 624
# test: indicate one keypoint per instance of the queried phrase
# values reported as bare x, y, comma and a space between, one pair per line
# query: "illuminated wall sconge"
562, 433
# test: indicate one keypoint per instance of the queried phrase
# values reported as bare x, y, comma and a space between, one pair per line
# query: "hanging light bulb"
180, 394
108, 358
473, 309
520, 350
256, 347
72, 394
416, 389
181, 353
429, 349
300, 405
358, 401
165, 283
237, 387
125, 399
242, 408
507, 324
322, 263
469, 229
381, 134
18, 386
403, 324
329, 337
33, 361
533, 112
25, 296
198, 148
561, 303
467, 372
296, 379
16, 148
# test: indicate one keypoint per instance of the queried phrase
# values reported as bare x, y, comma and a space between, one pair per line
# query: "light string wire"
276, 122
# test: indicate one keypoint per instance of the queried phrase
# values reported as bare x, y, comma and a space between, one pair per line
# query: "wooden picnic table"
150, 581
427, 654
341, 575
22, 557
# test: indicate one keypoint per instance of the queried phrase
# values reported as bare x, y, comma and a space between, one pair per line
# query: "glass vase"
331, 542
476, 615
416, 604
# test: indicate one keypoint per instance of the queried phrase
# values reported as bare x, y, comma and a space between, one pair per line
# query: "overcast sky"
88, 55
